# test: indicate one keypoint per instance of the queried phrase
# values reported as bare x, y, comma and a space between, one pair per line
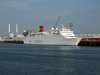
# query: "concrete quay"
81, 43
12, 41
89, 43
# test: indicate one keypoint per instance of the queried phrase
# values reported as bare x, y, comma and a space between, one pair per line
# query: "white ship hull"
53, 37
51, 40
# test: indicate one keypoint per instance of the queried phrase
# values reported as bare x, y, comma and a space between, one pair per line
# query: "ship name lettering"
38, 41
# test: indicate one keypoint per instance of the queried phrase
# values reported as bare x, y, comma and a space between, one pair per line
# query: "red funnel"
41, 28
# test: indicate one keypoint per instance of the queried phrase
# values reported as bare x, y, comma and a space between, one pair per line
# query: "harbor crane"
57, 22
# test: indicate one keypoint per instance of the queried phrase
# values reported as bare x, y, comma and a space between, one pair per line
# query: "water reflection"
68, 47
55, 47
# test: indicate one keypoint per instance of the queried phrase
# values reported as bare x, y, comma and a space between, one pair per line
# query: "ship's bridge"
66, 32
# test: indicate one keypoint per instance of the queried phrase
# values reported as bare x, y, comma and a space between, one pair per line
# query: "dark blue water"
20, 59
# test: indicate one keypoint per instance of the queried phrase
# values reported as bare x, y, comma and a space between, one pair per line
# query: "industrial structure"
11, 35
16, 30
9, 30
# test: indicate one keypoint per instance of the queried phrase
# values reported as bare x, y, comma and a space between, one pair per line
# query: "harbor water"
20, 59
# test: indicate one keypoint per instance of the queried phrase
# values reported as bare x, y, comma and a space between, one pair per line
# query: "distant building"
19, 37
11, 35
0, 38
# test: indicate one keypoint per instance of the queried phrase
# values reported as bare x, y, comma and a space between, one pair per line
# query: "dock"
81, 43
12, 41
89, 43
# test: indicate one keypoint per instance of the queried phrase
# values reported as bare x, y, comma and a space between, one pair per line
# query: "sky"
30, 14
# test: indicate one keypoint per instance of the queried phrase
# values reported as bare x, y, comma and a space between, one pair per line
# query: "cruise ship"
54, 36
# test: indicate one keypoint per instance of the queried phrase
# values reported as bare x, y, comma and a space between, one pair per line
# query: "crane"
57, 22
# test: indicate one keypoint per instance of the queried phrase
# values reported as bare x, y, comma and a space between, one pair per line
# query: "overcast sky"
30, 14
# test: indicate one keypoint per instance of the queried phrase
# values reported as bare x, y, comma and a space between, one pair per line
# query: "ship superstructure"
53, 37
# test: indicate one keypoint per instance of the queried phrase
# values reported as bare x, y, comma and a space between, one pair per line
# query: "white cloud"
15, 5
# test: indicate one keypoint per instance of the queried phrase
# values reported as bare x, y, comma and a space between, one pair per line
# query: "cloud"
15, 5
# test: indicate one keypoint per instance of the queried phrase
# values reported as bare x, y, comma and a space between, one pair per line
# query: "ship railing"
87, 35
